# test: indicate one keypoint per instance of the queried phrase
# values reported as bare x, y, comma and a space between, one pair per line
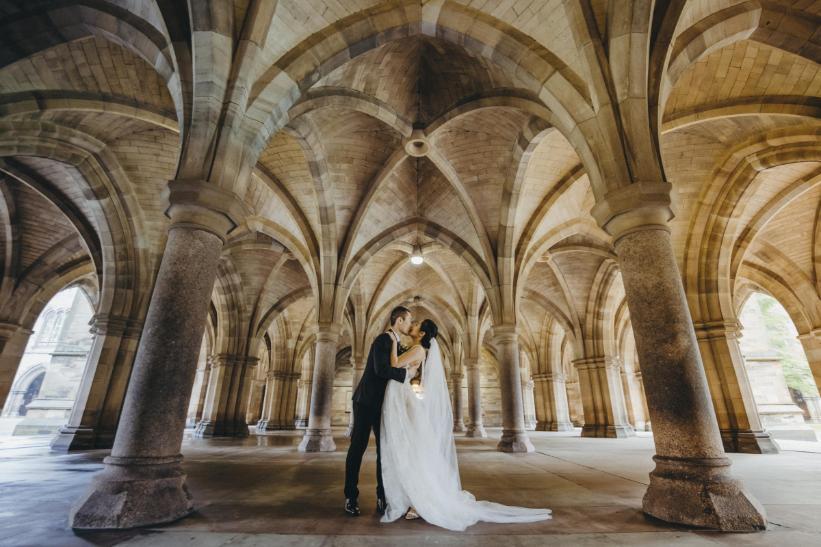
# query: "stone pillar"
226, 400
475, 427
13, 341
738, 420
289, 395
267, 420
812, 348
633, 404
643, 395
514, 437
529, 405
255, 396
458, 407
691, 483
602, 398
196, 406
552, 410
319, 436
143, 482
91, 424
303, 404
358, 364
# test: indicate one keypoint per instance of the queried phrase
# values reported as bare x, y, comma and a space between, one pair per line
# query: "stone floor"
261, 491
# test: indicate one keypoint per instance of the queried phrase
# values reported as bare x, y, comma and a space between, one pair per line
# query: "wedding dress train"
419, 466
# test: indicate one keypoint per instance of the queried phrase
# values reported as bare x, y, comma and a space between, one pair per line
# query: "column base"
515, 441
701, 493
748, 442
459, 427
301, 423
608, 431
317, 440
205, 430
554, 426
72, 438
477, 431
133, 492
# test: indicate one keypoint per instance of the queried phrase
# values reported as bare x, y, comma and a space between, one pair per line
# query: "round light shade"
416, 258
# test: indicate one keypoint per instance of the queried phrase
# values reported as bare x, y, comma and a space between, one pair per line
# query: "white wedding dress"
419, 466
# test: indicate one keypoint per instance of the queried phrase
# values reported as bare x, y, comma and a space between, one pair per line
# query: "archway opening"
51, 368
783, 388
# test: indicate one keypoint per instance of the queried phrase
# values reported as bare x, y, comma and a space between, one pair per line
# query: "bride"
419, 467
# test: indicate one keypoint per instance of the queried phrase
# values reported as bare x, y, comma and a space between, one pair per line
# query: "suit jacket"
378, 370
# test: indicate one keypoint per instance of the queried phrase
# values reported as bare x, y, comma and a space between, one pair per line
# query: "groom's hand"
412, 371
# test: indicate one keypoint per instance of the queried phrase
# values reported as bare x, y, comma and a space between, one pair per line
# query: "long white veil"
419, 465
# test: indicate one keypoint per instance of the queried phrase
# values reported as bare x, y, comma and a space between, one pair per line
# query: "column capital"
471, 363
505, 334
601, 361
117, 325
232, 360
637, 206
327, 332
813, 334
457, 375
723, 328
201, 205
7, 330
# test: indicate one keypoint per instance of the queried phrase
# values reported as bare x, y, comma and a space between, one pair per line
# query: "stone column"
458, 407
289, 395
514, 437
738, 420
93, 423
303, 404
319, 436
812, 348
691, 483
199, 404
143, 482
267, 420
552, 410
255, 400
13, 341
602, 398
643, 398
226, 400
475, 427
529, 404
358, 364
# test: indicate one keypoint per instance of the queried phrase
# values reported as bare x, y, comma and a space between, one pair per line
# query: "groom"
367, 408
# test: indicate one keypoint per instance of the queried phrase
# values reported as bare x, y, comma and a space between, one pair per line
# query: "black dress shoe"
381, 505
352, 507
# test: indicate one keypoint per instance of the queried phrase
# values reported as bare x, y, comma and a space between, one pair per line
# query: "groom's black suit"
367, 412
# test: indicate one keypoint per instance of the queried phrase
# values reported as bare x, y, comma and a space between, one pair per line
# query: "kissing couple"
417, 473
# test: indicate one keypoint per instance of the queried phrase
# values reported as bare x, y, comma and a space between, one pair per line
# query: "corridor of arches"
613, 213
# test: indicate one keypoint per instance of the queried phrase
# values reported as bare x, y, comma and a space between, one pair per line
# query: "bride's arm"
413, 355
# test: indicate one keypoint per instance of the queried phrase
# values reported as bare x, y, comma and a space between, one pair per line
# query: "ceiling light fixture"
416, 257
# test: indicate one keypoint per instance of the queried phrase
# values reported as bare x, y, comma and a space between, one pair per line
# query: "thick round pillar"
143, 482
458, 413
475, 427
358, 365
514, 437
319, 436
691, 483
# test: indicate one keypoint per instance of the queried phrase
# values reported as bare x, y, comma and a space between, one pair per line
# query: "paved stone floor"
261, 491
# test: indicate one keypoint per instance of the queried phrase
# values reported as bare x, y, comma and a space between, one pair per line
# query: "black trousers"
365, 419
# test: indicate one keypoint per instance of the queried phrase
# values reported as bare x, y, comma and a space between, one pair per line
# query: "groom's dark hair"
397, 312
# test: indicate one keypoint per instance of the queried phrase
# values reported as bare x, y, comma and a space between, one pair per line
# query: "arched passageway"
582, 195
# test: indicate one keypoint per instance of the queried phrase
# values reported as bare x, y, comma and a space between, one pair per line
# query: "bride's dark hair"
430, 331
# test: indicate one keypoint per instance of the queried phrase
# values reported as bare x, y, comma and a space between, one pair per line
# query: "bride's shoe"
411, 514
